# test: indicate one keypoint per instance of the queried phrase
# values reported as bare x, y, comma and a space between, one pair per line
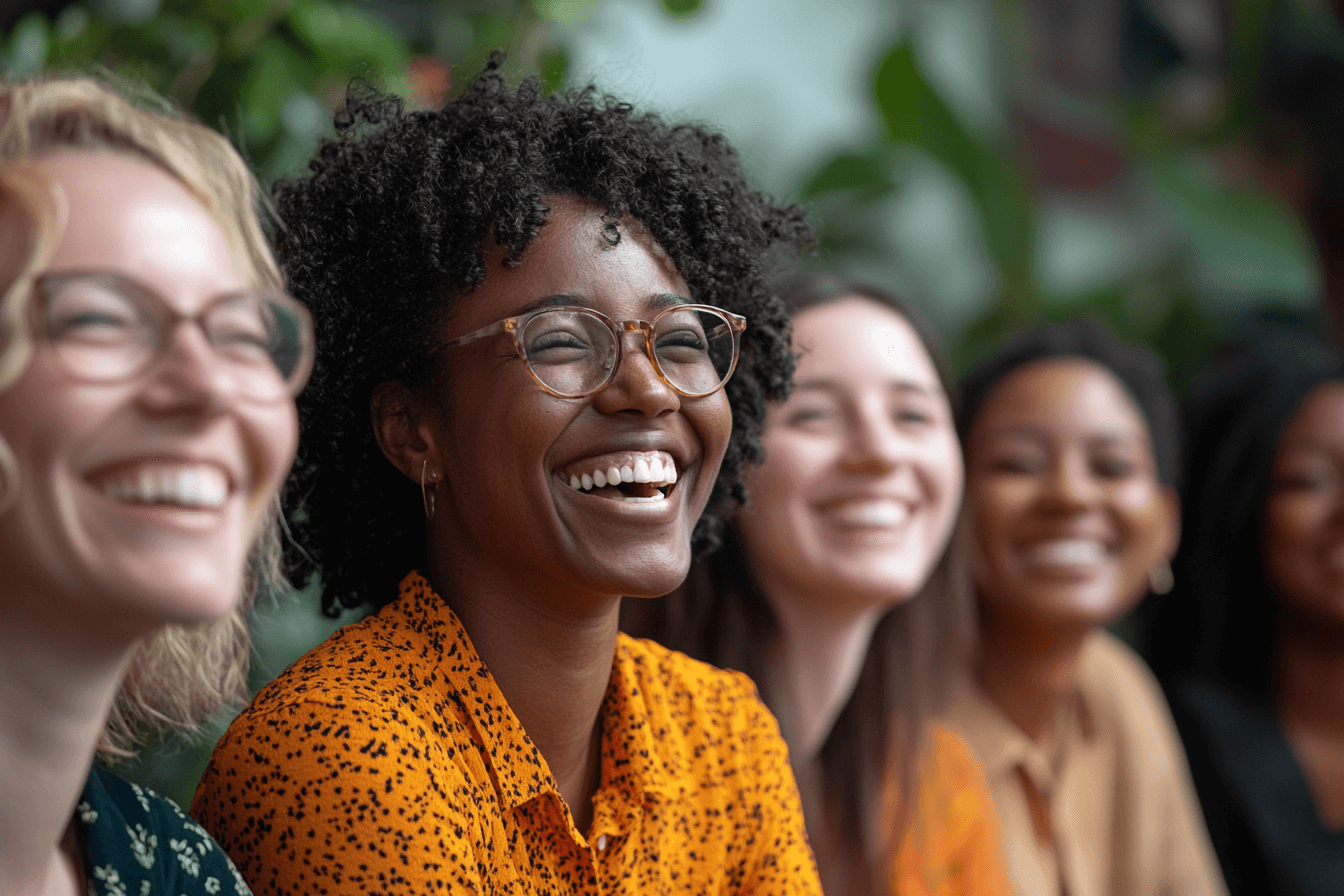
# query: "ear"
1171, 522
402, 429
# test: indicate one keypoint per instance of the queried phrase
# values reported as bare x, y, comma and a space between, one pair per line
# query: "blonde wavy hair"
184, 674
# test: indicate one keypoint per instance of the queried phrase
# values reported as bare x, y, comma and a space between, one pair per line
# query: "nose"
188, 378
1070, 485
636, 386
874, 446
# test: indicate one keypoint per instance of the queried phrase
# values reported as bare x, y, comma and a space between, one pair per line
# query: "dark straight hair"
1219, 622
919, 651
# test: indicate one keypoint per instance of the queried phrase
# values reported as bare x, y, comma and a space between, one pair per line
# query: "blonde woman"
148, 367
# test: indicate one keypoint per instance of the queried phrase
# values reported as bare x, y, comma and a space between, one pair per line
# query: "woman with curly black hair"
546, 343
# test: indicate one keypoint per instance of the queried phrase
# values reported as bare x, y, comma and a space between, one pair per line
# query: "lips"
188, 484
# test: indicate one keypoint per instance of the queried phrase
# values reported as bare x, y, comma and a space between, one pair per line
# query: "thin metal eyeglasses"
105, 328
574, 352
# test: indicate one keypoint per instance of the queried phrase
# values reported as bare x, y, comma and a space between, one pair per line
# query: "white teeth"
194, 486
651, 499
650, 469
878, 513
1070, 552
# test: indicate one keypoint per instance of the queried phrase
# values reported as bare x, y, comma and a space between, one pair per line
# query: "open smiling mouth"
190, 486
643, 477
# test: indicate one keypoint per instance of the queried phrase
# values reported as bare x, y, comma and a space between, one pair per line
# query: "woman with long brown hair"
843, 591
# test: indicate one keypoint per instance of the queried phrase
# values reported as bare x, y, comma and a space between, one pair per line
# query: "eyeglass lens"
103, 331
573, 352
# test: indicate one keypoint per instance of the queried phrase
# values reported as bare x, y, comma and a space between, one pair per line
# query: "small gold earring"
425, 493
1160, 579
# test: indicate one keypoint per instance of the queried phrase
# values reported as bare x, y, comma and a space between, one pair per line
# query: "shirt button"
601, 842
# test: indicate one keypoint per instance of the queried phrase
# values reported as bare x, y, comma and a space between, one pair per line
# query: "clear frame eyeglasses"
104, 328
575, 352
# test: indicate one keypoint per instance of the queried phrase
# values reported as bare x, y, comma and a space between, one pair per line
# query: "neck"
815, 665
552, 659
1309, 676
54, 701
1027, 671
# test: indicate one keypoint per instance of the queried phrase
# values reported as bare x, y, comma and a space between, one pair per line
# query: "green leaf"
1245, 245
554, 67
683, 9
345, 36
29, 43
848, 171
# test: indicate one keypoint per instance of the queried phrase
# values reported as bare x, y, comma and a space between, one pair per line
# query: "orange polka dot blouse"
387, 761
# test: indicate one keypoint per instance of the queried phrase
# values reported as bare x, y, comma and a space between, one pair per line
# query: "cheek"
944, 477
272, 435
1290, 520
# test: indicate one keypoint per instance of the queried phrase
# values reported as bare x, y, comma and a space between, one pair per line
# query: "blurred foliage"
270, 72
946, 205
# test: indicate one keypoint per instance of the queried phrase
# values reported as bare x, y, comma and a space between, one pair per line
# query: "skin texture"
855, 501
87, 575
1068, 520
493, 445
1304, 561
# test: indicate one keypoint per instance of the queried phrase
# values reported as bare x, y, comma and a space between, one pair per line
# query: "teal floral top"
137, 843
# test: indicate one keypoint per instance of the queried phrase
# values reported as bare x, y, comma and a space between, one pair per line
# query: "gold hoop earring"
424, 492
1160, 579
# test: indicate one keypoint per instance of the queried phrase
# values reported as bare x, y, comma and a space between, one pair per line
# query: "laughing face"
862, 478
137, 501
578, 495
1067, 513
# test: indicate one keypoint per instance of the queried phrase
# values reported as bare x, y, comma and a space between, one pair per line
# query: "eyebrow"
658, 301
1104, 438
822, 384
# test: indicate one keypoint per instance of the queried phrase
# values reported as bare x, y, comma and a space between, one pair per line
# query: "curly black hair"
1138, 369
387, 234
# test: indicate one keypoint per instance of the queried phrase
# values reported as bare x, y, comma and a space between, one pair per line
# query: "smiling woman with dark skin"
1250, 645
1070, 465
528, 312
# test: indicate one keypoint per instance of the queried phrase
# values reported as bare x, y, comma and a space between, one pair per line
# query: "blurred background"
1174, 166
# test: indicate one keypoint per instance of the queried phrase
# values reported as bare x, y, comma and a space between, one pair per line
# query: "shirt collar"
630, 766
1002, 747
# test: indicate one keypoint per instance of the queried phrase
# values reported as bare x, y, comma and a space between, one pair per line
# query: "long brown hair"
919, 650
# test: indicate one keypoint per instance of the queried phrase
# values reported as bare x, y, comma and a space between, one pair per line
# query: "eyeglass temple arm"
497, 327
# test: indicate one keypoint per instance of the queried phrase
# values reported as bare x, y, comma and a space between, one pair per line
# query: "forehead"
129, 216
1319, 422
1060, 399
861, 342
573, 256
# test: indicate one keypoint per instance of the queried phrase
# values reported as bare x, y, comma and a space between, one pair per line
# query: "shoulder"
1113, 678
689, 693
133, 834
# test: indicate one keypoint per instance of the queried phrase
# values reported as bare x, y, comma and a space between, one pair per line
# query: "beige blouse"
1105, 806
